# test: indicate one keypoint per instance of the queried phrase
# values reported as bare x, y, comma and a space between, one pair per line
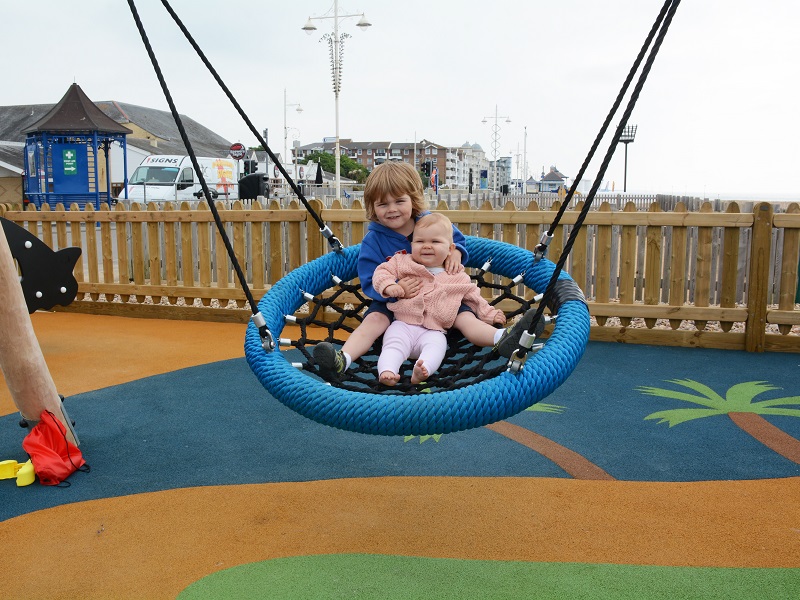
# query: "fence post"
758, 278
797, 293
313, 234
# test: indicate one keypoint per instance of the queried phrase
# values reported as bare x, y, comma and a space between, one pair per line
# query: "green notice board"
70, 161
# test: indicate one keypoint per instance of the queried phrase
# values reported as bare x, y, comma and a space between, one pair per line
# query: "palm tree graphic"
538, 407
571, 462
740, 407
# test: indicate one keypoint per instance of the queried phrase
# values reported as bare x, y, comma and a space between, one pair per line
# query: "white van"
172, 178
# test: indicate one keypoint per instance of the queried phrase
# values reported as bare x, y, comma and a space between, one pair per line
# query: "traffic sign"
238, 151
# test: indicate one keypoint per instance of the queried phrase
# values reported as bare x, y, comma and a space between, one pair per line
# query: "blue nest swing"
423, 413
457, 405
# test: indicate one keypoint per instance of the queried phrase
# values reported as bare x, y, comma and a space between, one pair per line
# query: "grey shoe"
329, 359
509, 342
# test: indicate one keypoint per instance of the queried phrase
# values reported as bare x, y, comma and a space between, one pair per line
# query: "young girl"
394, 200
418, 331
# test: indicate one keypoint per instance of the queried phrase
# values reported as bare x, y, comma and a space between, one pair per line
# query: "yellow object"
24, 472
8, 469
26, 475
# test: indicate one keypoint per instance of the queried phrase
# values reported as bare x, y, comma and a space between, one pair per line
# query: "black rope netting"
463, 365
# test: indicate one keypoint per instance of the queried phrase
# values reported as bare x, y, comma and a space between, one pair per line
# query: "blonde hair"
398, 179
432, 219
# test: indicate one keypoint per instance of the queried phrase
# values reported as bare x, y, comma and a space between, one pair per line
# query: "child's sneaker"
329, 359
509, 341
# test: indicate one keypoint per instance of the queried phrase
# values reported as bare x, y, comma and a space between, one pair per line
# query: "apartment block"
455, 164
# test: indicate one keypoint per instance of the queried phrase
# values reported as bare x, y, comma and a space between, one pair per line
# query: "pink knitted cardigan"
436, 305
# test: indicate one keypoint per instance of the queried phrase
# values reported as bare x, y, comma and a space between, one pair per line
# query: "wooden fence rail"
706, 278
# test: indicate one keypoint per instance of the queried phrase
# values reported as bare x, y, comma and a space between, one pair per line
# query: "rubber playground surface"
204, 486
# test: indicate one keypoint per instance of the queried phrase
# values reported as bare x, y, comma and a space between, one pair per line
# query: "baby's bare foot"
420, 372
389, 378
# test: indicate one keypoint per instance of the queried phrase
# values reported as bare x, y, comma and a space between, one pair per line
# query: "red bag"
54, 457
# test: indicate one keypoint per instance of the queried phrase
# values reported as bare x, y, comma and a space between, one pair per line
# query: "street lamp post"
296, 144
525, 161
285, 127
519, 174
336, 48
266, 140
495, 140
628, 134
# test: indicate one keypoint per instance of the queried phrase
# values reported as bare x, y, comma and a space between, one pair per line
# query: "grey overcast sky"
718, 116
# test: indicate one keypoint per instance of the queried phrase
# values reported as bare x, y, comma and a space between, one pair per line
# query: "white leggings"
402, 341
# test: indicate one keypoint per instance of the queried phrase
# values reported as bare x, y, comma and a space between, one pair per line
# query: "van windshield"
154, 175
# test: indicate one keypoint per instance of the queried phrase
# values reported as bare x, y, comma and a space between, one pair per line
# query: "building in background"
503, 171
152, 132
453, 163
471, 161
552, 181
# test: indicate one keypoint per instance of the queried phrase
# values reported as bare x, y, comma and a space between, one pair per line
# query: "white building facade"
454, 164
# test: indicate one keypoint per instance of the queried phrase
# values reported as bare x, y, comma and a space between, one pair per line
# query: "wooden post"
677, 270
730, 263
21, 360
758, 278
627, 269
602, 271
652, 264
276, 262
790, 290
702, 278
486, 231
315, 240
577, 259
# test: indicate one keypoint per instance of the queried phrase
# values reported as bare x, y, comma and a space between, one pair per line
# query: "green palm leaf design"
548, 408
738, 398
681, 415
424, 438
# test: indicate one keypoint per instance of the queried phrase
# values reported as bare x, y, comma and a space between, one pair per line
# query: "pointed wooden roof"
76, 113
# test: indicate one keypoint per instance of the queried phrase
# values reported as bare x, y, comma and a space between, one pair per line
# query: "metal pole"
525, 159
336, 67
296, 171
625, 176
266, 140
285, 130
494, 147
496, 142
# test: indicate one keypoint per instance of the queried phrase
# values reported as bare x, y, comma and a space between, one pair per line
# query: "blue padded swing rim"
476, 405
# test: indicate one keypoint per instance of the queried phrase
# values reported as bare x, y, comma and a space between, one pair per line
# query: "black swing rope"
542, 247
266, 336
661, 25
326, 231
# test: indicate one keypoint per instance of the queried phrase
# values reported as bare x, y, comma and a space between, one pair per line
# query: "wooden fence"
707, 279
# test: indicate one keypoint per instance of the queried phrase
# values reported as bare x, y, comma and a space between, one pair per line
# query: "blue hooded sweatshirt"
381, 243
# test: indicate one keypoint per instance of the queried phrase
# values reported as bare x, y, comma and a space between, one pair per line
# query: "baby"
420, 322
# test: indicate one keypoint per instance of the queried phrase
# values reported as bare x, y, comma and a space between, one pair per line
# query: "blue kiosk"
63, 151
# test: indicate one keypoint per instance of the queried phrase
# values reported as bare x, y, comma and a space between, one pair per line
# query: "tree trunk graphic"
573, 463
765, 432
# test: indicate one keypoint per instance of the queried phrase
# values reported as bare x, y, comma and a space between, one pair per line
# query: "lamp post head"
484, 121
299, 108
309, 27
628, 134
508, 120
363, 23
